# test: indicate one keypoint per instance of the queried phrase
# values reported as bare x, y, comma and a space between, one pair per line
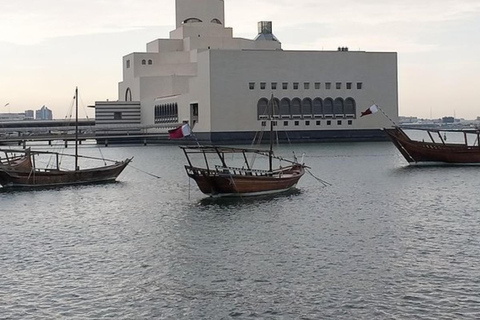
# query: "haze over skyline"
49, 47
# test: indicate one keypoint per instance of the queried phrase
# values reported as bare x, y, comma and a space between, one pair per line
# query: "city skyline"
49, 48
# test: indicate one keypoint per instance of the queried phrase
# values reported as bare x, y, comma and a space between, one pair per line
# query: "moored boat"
19, 168
434, 151
28, 175
223, 180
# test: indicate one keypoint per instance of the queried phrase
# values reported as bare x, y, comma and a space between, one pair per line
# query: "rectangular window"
295, 86
263, 85
194, 109
128, 64
117, 116
328, 85
329, 123
285, 123
317, 85
359, 85
306, 85
318, 122
349, 85
350, 122
285, 85
274, 123
339, 122
297, 123
264, 123
251, 85
338, 85
307, 123
274, 86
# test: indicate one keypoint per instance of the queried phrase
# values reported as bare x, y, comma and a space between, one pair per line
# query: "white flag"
371, 110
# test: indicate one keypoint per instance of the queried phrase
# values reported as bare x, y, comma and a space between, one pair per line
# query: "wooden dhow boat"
18, 160
23, 171
223, 180
434, 151
19, 168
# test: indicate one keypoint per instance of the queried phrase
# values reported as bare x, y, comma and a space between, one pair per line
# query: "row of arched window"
195, 20
166, 113
307, 108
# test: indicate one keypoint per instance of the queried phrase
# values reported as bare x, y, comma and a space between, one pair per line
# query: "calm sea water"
385, 241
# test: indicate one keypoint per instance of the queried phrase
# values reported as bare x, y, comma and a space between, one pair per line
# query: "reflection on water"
385, 241
233, 202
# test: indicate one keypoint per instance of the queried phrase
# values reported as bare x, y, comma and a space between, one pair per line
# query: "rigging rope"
323, 182
147, 173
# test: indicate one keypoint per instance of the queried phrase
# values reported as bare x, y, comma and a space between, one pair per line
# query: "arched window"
285, 108
192, 20
317, 108
262, 109
216, 21
296, 108
307, 108
150, 62
339, 108
276, 108
350, 108
328, 107
144, 62
128, 95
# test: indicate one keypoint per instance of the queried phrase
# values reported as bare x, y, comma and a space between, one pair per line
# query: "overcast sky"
47, 47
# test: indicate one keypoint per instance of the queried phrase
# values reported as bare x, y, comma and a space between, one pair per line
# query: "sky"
49, 47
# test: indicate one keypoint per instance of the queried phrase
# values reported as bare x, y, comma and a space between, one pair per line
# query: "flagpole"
193, 134
386, 116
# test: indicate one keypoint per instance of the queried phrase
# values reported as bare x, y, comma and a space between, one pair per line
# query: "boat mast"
76, 129
270, 153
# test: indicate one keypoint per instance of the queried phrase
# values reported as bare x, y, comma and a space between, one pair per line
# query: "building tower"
206, 11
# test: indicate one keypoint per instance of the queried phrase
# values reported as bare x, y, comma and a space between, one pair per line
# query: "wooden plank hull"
19, 163
216, 183
12, 178
416, 151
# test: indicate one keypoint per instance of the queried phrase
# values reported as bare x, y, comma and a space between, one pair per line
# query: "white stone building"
221, 84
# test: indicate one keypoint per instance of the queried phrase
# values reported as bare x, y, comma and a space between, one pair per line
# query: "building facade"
221, 85
44, 114
5, 117
29, 115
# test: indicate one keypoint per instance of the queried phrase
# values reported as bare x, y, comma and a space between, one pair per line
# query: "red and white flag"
372, 109
180, 132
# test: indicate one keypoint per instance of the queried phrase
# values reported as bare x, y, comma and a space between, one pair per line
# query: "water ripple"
386, 241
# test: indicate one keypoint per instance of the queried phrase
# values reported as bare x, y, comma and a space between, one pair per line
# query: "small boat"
19, 168
227, 181
18, 160
222, 180
440, 152
23, 172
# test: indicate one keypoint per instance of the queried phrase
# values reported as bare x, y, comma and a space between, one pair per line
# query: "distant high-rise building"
44, 114
29, 115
